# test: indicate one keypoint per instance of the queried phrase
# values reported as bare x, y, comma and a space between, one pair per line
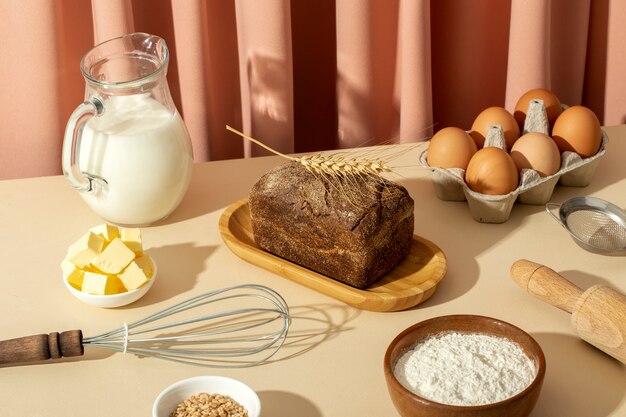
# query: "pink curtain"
310, 75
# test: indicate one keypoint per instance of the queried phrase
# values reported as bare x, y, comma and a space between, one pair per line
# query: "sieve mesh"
597, 228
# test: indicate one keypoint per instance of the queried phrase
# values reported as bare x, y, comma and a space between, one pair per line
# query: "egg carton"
450, 185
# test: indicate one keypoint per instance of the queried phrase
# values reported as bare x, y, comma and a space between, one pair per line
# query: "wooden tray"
410, 283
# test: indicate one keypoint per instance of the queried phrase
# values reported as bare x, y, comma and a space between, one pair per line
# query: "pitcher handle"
71, 142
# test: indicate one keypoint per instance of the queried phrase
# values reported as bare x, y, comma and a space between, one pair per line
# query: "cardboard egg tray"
534, 189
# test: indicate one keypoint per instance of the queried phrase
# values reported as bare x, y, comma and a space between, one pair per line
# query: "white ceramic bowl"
113, 300
178, 392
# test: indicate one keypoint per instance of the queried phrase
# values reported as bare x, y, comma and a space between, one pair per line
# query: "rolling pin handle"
543, 283
41, 347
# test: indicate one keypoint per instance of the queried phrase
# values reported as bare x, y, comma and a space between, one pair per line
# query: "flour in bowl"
465, 369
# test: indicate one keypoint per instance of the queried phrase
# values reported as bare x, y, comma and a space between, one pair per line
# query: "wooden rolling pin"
598, 314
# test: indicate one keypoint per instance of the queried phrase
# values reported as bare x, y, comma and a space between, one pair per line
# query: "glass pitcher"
126, 148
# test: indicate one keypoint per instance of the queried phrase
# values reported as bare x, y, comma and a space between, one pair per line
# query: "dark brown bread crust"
354, 239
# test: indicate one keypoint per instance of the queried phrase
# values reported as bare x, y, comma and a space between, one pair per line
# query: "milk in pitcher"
142, 151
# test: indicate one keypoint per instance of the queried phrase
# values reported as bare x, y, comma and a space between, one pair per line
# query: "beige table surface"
332, 363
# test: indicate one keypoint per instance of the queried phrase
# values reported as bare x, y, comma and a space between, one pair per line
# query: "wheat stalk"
338, 165
356, 175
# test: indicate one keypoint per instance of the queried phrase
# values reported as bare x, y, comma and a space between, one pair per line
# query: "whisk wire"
275, 299
202, 318
225, 335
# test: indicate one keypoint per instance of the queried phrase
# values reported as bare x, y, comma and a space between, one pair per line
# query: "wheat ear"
335, 165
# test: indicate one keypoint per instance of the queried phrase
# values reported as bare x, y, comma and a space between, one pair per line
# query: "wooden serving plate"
410, 283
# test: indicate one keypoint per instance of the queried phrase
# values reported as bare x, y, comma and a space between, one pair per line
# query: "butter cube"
114, 258
106, 231
132, 238
72, 274
133, 276
146, 264
100, 284
85, 249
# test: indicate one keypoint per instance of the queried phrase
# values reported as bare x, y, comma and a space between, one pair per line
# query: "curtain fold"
414, 80
529, 53
366, 61
30, 125
265, 73
305, 76
189, 17
469, 47
111, 18
615, 87
569, 32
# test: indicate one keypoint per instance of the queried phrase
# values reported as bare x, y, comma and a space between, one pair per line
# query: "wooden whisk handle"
542, 282
41, 347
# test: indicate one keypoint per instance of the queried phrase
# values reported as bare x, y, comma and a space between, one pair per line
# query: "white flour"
465, 369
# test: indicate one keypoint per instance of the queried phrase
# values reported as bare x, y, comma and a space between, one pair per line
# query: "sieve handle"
41, 347
552, 206
545, 284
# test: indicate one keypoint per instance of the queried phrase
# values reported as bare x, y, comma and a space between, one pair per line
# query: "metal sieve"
595, 224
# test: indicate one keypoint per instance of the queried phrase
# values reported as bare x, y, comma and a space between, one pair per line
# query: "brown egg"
536, 151
578, 130
451, 147
492, 171
551, 101
495, 116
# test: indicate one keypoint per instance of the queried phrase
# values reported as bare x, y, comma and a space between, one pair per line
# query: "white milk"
143, 152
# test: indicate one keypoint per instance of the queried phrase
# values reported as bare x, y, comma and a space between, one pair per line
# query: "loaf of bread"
353, 231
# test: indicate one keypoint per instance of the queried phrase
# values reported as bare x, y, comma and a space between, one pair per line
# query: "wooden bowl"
409, 404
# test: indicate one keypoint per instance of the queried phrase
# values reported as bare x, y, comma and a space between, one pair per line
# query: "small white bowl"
113, 300
178, 392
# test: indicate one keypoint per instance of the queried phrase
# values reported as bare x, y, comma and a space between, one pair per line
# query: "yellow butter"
85, 249
100, 284
133, 276
106, 231
132, 238
145, 263
72, 274
114, 258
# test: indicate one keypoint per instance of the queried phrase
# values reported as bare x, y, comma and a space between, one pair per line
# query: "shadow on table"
584, 280
580, 381
450, 226
311, 325
178, 269
283, 404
